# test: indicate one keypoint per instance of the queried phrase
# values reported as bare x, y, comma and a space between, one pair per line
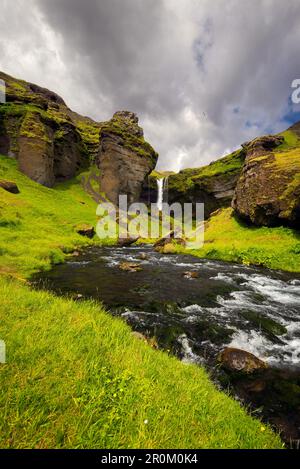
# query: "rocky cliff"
261, 181
268, 189
125, 159
52, 143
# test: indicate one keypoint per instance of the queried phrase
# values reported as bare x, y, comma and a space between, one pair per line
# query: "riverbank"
228, 239
76, 377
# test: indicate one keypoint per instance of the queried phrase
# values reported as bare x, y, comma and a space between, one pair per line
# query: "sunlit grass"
38, 225
76, 378
229, 239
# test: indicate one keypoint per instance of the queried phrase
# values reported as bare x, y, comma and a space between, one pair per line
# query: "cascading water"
160, 193
225, 305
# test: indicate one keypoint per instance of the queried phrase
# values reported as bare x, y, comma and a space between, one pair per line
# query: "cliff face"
261, 181
268, 190
52, 143
37, 128
212, 185
125, 159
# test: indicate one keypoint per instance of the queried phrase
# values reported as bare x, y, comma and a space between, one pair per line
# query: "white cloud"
204, 76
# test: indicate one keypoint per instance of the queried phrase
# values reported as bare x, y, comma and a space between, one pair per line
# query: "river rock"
9, 186
123, 242
143, 256
130, 267
168, 244
165, 239
236, 360
85, 230
190, 275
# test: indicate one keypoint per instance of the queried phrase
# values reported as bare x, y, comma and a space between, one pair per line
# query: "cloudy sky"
204, 76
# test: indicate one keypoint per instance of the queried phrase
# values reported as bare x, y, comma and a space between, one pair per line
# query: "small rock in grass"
9, 186
85, 230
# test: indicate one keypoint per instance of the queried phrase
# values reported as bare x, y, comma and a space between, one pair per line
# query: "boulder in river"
143, 256
169, 243
130, 267
236, 360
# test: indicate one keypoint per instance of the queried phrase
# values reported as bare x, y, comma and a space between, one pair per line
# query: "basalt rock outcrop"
125, 159
268, 189
212, 185
261, 181
52, 143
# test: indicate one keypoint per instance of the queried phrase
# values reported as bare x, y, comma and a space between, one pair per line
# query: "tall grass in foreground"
76, 378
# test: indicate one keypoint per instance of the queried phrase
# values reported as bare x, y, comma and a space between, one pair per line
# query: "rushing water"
253, 309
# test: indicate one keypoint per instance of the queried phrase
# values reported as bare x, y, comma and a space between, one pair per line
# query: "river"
250, 308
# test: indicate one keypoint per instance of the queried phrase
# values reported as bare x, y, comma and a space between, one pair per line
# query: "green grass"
76, 378
229, 239
291, 140
38, 225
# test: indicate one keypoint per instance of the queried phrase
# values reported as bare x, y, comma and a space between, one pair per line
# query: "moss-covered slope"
212, 185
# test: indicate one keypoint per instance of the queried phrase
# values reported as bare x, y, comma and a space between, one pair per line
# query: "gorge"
240, 290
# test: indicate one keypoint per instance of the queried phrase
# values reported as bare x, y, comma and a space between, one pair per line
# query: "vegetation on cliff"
268, 190
189, 179
125, 126
23, 98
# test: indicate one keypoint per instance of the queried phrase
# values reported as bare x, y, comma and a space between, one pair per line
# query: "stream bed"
226, 305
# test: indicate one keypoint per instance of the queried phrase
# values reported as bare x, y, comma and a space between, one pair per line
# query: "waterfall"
160, 193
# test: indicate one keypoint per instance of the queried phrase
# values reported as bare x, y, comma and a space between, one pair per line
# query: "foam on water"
188, 355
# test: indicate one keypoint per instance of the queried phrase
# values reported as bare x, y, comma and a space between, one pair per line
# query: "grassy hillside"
75, 376
229, 239
38, 225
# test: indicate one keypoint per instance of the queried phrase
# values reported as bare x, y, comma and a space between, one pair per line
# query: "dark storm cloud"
203, 75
